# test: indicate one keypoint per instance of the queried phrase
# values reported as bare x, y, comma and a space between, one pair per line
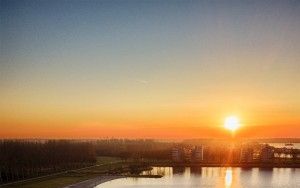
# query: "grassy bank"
104, 165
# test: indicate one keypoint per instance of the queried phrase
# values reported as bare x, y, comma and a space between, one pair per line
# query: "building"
187, 154
246, 155
176, 154
267, 154
197, 154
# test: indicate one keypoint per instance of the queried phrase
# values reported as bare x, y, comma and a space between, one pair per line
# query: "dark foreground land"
106, 169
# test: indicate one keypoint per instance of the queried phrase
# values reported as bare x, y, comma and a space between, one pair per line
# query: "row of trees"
139, 148
21, 159
25, 159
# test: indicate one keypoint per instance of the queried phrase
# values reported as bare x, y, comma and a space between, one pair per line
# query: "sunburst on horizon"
232, 123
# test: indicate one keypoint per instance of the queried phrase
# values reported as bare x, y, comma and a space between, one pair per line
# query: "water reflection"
178, 170
212, 177
196, 170
228, 178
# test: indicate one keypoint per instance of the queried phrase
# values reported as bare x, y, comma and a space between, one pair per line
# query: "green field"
103, 165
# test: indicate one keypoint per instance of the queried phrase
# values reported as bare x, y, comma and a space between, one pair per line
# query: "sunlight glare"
228, 178
232, 123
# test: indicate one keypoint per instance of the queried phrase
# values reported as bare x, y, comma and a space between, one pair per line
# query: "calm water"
212, 177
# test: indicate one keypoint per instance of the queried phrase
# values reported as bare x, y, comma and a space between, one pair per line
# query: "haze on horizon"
149, 69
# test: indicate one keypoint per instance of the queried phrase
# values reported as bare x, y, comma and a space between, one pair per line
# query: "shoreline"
91, 183
253, 165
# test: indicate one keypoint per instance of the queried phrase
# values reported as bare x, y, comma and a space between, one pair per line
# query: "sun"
232, 123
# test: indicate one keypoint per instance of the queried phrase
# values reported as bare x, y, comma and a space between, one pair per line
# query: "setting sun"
232, 123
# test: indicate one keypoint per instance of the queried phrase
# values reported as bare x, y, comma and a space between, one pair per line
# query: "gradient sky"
155, 69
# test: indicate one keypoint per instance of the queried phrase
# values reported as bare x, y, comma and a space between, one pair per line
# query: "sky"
149, 69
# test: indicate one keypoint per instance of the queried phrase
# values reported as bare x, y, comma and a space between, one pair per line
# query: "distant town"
248, 154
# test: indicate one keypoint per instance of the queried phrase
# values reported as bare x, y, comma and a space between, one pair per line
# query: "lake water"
212, 177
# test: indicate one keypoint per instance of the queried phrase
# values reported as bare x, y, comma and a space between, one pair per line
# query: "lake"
212, 177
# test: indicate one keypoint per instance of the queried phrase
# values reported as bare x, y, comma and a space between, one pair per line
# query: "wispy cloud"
142, 81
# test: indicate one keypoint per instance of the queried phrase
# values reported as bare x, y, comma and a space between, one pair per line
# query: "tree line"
138, 148
26, 159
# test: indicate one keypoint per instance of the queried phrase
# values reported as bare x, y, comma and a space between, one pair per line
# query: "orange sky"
158, 69
162, 124
152, 114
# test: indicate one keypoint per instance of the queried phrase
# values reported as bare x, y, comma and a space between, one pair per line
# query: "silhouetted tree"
25, 159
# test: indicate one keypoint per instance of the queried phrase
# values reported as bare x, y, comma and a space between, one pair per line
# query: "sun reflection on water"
214, 177
228, 177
